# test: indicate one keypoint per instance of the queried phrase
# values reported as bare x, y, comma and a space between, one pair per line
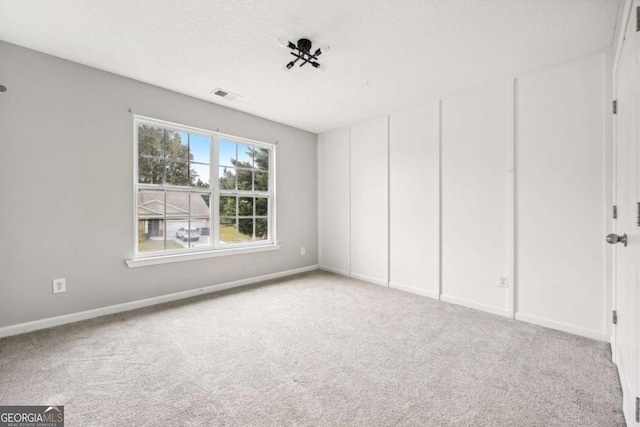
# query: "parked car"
191, 234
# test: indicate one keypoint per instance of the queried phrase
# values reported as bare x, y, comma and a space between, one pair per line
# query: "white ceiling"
384, 55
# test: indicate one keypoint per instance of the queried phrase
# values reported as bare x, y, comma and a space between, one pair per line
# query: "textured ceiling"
384, 55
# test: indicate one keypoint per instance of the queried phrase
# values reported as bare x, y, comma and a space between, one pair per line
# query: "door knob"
614, 238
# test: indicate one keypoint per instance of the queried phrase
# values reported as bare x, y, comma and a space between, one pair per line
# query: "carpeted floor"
312, 349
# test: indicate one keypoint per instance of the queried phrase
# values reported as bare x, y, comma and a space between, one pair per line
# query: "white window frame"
215, 248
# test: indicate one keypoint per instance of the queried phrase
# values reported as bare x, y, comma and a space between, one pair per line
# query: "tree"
262, 159
162, 155
248, 177
151, 154
228, 180
164, 159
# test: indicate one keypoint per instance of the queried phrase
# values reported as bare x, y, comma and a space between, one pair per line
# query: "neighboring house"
151, 212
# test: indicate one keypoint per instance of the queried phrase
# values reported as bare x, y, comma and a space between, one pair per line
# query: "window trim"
214, 248
189, 256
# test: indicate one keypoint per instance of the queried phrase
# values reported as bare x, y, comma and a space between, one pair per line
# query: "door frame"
633, 382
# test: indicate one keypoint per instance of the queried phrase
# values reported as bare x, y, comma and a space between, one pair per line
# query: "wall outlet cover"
59, 285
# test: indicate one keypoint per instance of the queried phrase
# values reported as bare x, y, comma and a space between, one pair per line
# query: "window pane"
244, 180
189, 236
199, 175
261, 181
179, 235
245, 156
177, 173
227, 154
228, 233
151, 235
207, 199
200, 220
150, 170
200, 205
199, 148
228, 206
177, 147
245, 230
175, 229
227, 178
245, 206
150, 141
262, 229
262, 206
177, 206
150, 205
262, 159
151, 221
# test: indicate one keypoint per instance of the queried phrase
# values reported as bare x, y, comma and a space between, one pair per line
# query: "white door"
633, 400
627, 195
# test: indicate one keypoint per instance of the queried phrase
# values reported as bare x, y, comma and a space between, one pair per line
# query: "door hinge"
614, 106
638, 214
637, 18
638, 409
614, 317
615, 212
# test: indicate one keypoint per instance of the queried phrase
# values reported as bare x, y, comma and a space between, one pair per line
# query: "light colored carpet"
313, 349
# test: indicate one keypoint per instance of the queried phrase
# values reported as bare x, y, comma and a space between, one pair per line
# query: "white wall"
560, 185
333, 196
66, 186
369, 248
552, 124
474, 197
414, 200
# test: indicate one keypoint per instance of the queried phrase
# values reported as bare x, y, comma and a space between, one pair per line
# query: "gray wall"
66, 189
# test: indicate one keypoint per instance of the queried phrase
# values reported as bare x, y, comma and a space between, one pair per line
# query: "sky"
200, 147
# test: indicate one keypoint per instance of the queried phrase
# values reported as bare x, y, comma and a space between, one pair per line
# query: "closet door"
560, 191
414, 200
333, 201
369, 201
474, 198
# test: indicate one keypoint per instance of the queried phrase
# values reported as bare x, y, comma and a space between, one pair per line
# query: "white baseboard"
127, 306
369, 279
414, 290
564, 327
334, 270
478, 306
612, 343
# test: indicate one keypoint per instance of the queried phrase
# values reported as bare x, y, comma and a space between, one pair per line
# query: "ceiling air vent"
222, 93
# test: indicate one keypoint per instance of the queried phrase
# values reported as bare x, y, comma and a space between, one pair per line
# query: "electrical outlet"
504, 282
59, 285
303, 251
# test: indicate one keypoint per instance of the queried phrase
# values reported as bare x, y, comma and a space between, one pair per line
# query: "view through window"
199, 190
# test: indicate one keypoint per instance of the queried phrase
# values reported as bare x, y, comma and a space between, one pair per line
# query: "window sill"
166, 259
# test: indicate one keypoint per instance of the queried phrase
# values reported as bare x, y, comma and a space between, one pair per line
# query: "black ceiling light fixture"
302, 53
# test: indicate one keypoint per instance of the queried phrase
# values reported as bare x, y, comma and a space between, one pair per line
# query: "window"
198, 190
